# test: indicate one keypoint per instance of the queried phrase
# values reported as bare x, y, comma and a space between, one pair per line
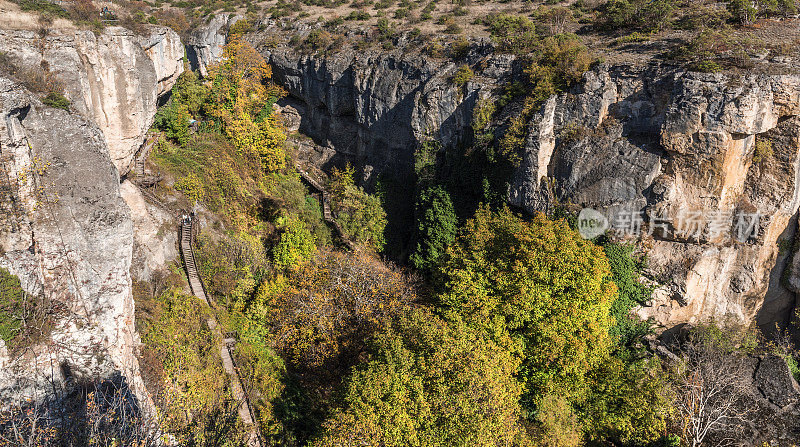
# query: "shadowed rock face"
376, 107
113, 79
69, 239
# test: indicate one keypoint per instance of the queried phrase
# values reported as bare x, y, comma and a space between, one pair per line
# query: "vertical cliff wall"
674, 149
69, 238
647, 140
113, 79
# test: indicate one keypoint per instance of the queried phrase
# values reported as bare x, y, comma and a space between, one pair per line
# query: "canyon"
651, 139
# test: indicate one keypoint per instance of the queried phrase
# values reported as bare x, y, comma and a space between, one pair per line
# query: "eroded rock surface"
68, 235
663, 146
647, 141
113, 78
204, 47
376, 107
155, 234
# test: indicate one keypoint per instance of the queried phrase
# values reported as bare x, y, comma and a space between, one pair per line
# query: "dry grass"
13, 18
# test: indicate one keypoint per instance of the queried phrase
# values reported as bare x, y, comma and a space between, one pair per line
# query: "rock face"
204, 47
68, 235
693, 158
113, 79
155, 235
375, 108
653, 145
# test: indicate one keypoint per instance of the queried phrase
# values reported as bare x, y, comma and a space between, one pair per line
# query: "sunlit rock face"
67, 234
698, 158
204, 47
113, 79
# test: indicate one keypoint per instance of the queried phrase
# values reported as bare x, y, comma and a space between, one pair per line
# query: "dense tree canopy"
539, 282
428, 382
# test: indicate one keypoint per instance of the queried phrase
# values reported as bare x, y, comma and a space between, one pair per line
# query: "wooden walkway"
327, 214
198, 289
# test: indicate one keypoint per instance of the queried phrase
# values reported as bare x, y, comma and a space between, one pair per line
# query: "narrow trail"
327, 214
198, 289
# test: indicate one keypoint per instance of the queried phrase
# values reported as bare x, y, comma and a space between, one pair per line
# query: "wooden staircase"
327, 213
198, 289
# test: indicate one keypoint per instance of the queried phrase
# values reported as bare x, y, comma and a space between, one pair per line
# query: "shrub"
459, 48
319, 40
743, 11
463, 75
43, 6
625, 270
647, 15
56, 100
453, 28
173, 120
12, 305
295, 246
763, 150
513, 34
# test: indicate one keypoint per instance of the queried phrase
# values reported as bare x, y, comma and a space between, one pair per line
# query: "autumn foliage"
538, 282
242, 95
321, 314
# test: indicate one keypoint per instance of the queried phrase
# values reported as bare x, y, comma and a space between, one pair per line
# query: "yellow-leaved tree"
242, 98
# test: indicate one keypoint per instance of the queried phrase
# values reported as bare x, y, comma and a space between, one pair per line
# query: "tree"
321, 314
427, 382
174, 121
744, 11
541, 283
627, 403
625, 272
436, 227
709, 384
295, 246
242, 95
360, 215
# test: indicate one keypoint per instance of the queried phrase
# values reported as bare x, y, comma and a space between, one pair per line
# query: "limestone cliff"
114, 78
663, 145
205, 45
648, 140
68, 235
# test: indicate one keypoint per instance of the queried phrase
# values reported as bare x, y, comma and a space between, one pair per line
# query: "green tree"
627, 404
625, 272
743, 11
12, 305
436, 227
429, 383
541, 283
360, 215
295, 246
190, 91
173, 119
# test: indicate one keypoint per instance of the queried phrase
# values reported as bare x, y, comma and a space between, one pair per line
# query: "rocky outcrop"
155, 237
692, 159
376, 107
68, 235
653, 144
113, 79
204, 46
